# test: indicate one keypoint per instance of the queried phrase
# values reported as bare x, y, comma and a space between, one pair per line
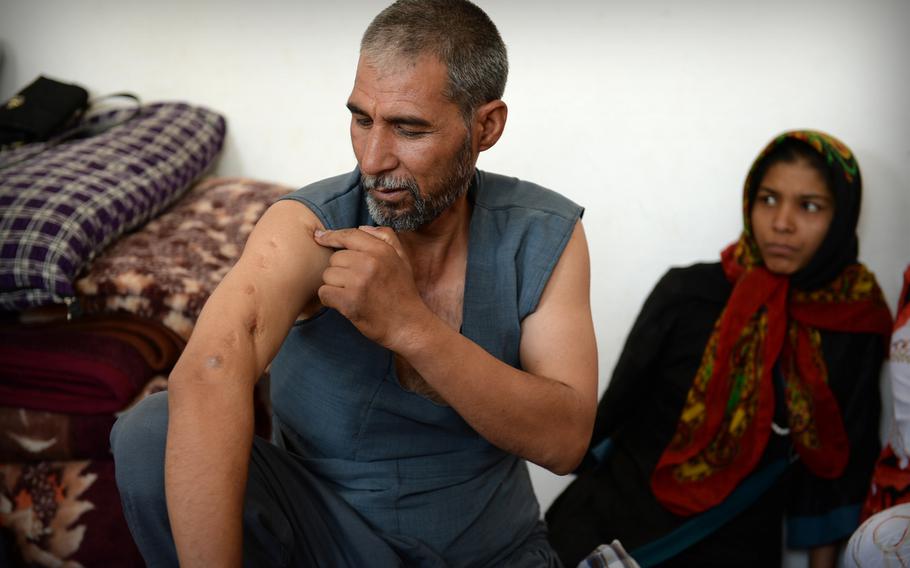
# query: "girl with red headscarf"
747, 389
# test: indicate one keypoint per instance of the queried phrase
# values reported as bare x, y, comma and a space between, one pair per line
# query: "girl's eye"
812, 207
767, 199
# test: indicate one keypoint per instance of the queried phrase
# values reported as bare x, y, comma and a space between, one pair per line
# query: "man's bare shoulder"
280, 258
283, 233
289, 216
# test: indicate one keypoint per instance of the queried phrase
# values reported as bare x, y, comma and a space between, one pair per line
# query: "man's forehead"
420, 81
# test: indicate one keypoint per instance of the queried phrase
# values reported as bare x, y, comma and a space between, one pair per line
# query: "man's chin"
388, 210
397, 218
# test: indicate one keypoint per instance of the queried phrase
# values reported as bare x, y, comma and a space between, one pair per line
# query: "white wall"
649, 113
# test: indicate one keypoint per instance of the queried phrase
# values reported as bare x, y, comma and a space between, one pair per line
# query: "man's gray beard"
424, 209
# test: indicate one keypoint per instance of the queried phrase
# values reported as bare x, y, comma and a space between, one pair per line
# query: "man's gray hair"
458, 33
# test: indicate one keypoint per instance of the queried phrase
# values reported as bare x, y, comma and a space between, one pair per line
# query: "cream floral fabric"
166, 270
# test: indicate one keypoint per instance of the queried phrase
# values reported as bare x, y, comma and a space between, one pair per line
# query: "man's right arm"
239, 331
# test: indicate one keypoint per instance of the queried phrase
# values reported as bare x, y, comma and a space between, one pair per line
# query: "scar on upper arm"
214, 362
267, 253
230, 340
252, 325
253, 319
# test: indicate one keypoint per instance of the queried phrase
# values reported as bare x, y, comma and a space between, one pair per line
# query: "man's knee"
137, 442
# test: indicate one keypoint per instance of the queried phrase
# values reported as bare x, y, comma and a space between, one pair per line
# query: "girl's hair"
790, 151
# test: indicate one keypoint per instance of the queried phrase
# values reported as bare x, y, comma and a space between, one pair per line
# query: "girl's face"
791, 214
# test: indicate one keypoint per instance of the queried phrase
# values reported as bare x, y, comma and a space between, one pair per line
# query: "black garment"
639, 413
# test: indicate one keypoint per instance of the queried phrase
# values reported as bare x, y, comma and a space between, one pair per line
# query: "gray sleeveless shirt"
414, 469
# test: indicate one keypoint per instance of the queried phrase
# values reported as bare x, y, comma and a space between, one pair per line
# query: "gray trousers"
290, 517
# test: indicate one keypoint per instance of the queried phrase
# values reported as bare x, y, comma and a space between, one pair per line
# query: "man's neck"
441, 245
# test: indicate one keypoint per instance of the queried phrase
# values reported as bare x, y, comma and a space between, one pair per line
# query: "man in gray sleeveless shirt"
428, 328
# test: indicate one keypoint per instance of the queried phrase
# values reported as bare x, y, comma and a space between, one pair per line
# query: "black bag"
90, 119
40, 110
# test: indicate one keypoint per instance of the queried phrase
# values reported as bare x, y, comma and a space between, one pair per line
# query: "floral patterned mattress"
166, 270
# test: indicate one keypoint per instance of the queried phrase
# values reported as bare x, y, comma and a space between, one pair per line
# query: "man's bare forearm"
544, 413
538, 418
210, 432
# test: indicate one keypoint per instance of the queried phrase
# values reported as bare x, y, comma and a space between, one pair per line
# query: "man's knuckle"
371, 264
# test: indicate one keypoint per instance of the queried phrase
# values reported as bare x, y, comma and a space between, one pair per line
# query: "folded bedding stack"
61, 385
65, 374
92, 365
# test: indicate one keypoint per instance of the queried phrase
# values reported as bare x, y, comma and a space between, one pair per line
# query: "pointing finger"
353, 239
386, 235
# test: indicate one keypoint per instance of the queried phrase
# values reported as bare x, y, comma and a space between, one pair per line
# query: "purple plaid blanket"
62, 207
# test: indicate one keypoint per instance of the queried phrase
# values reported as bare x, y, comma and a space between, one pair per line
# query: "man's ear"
489, 122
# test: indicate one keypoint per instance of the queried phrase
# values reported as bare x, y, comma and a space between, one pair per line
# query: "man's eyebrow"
409, 120
405, 119
355, 109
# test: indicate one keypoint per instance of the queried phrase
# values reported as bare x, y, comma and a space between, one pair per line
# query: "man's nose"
378, 155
